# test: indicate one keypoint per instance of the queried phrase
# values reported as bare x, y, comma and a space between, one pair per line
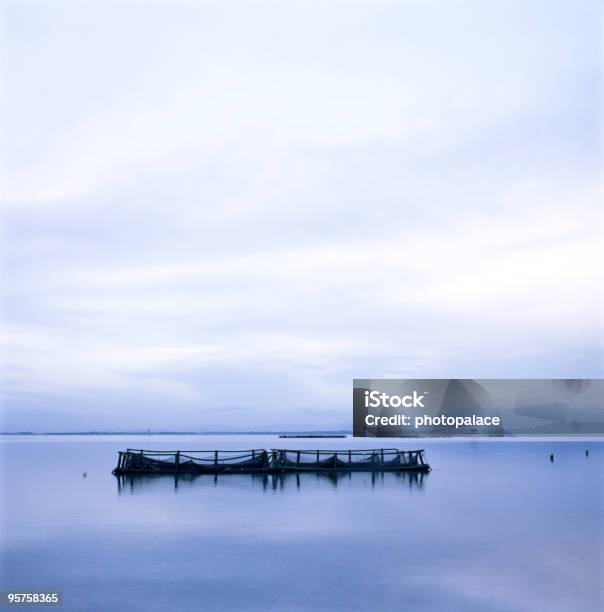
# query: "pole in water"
551, 457
587, 453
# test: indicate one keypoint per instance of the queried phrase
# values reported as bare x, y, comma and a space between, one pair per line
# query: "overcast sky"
216, 214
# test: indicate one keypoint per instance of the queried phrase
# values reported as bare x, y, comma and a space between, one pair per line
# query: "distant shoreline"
176, 433
528, 436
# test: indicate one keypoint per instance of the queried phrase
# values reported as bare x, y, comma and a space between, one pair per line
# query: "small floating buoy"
551, 457
587, 453
84, 475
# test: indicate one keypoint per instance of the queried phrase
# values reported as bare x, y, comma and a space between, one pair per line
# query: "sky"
215, 215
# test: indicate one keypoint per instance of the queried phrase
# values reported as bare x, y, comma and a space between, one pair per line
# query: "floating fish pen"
138, 461
383, 459
312, 435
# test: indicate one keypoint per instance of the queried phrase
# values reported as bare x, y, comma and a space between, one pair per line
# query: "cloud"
303, 194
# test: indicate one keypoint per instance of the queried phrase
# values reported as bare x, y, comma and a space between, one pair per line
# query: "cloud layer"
217, 215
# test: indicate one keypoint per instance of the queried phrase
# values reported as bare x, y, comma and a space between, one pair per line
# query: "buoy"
551, 457
587, 453
84, 475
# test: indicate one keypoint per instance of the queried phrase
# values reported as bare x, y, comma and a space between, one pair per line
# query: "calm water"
494, 527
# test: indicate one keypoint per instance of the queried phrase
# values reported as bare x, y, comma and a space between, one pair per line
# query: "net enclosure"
260, 460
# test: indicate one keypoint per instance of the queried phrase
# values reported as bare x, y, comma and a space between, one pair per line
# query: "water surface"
495, 526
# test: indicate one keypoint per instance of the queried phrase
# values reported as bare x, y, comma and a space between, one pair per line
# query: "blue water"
495, 526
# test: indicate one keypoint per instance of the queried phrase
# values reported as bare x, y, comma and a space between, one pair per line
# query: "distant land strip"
176, 433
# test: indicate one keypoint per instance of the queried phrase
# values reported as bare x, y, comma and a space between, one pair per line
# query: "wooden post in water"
298, 458
382, 454
317, 456
349, 456
177, 461
215, 458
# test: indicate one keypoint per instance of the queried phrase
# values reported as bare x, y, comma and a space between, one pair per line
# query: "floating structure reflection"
278, 481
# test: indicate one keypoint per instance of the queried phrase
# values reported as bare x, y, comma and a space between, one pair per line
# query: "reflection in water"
141, 482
